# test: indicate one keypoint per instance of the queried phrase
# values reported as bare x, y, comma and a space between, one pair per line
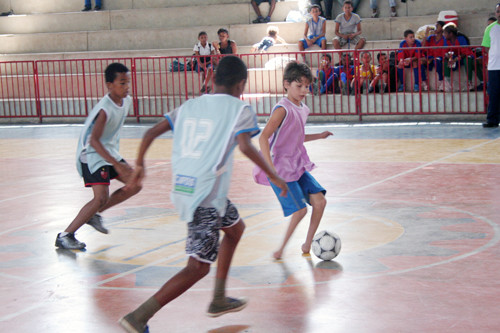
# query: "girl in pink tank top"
282, 146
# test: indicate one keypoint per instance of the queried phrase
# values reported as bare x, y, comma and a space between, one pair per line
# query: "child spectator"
204, 63
342, 76
411, 58
315, 30
365, 74
456, 56
435, 56
282, 146
324, 72
260, 18
201, 168
98, 159
491, 20
268, 41
491, 41
386, 70
225, 45
374, 7
348, 28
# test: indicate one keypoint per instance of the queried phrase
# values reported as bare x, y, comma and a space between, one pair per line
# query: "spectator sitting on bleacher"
315, 30
491, 20
88, 5
225, 45
268, 41
204, 64
324, 72
342, 76
260, 18
365, 74
411, 58
454, 57
348, 28
386, 71
374, 7
435, 56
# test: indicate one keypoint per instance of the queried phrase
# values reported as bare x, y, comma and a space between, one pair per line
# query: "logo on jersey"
184, 184
104, 174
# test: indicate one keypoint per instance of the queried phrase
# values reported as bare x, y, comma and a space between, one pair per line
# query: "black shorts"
102, 176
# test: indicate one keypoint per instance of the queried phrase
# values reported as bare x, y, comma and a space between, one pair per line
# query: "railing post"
38, 103
135, 99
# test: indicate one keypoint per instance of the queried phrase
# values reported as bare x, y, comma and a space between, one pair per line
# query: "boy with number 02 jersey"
206, 130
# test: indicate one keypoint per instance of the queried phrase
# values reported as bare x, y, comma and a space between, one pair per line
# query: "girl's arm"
247, 148
272, 125
317, 136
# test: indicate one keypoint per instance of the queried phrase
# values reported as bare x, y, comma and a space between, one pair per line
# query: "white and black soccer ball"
326, 245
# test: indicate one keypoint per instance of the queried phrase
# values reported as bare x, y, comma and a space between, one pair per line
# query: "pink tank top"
287, 145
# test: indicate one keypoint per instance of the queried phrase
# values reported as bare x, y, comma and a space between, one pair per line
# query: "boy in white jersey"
206, 130
98, 159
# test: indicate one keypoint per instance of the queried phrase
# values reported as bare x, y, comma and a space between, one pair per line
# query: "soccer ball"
326, 245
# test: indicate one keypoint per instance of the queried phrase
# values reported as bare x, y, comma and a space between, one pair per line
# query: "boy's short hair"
314, 6
492, 19
380, 54
230, 71
441, 23
112, 69
348, 2
222, 30
408, 32
451, 29
202, 33
295, 71
328, 56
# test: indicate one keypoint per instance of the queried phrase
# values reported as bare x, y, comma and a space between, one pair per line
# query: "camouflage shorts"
203, 232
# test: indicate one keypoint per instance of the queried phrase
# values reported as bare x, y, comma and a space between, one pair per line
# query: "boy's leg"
101, 195
360, 44
120, 195
173, 288
318, 203
272, 5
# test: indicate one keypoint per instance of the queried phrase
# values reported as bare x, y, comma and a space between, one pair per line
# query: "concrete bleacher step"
168, 38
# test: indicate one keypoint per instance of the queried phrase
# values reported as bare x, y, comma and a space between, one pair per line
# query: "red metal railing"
70, 88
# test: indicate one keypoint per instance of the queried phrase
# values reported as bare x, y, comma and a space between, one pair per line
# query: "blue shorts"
258, 2
298, 193
317, 42
202, 241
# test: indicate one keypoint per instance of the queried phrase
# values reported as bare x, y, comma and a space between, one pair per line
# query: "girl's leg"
294, 221
318, 203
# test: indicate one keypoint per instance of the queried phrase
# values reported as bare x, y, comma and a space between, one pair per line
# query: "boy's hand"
278, 181
135, 178
124, 170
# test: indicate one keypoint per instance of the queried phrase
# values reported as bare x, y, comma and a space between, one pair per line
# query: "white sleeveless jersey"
205, 131
115, 117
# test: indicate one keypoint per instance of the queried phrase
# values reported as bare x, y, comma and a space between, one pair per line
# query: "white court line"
22, 196
15, 277
415, 169
23, 311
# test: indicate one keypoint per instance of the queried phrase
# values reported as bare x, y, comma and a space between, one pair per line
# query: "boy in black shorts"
98, 159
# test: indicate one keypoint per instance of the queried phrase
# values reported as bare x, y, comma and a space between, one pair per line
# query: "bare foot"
277, 254
306, 249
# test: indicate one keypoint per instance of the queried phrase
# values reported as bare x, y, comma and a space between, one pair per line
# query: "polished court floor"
416, 206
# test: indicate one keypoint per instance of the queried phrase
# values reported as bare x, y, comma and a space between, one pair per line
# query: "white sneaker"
375, 14
447, 85
394, 14
440, 86
424, 86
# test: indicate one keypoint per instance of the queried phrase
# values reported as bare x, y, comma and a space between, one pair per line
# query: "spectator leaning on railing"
491, 41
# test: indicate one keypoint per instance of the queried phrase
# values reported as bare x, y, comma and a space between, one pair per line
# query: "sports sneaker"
416, 87
69, 242
401, 87
96, 222
86, 9
97, 8
129, 324
259, 20
424, 86
230, 305
394, 14
375, 13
